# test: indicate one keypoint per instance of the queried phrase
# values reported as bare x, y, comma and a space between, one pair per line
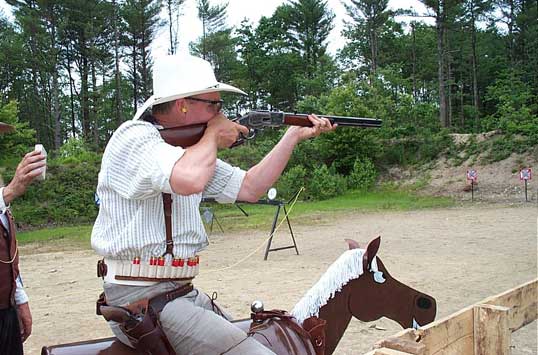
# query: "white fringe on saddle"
347, 267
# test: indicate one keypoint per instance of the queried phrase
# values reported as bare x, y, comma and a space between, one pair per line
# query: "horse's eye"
424, 303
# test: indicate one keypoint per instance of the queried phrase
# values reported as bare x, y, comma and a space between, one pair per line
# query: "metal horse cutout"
362, 288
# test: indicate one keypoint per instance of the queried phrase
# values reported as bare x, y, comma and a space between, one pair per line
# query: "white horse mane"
347, 267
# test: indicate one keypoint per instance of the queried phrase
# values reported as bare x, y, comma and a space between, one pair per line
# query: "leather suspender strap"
167, 204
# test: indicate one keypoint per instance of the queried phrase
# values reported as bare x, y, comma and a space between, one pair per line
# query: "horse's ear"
352, 244
371, 250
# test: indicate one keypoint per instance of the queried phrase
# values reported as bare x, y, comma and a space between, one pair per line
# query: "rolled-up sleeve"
20, 295
138, 162
225, 184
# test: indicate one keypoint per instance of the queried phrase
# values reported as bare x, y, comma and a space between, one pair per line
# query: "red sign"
472, 175
525, 174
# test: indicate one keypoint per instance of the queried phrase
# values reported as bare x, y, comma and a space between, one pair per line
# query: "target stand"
279, 205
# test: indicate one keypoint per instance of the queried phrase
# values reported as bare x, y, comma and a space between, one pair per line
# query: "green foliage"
75, 151
213, 17
363, 176
309, 24
291, 181
516, 115
515, 110
58, 64
325, 183
20, 141
219, 49
411, 133
244, 157
67, 194
504, 146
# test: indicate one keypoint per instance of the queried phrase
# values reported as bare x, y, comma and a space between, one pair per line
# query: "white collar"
3, 207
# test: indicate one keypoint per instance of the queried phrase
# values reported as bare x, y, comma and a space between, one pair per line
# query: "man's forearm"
194, 169
263, 175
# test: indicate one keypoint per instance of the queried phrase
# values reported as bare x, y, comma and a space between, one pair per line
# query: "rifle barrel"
299, 119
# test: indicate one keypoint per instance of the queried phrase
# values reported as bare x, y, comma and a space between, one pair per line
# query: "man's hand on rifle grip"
226, 132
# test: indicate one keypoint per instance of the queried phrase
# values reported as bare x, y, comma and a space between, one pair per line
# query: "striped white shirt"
135, 170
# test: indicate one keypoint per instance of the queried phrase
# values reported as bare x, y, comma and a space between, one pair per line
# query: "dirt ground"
459, 256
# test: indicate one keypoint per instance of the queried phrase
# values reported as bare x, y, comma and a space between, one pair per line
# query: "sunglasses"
215, 104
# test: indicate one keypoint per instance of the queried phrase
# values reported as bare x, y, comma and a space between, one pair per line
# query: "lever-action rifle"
186, 136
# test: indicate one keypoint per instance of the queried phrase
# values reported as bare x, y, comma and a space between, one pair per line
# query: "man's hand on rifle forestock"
320, 125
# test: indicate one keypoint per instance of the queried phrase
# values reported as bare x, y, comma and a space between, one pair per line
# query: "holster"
139, 321
141, 325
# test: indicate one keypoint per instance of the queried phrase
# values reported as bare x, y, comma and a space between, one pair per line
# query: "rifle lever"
242, 138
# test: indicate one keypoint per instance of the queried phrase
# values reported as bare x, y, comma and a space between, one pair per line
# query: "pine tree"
213, 19
310, 23
369, 19
173, 9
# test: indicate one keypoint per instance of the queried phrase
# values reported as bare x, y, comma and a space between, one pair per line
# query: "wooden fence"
484, 328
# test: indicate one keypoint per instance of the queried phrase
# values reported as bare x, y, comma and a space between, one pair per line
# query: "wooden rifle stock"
183, 136
186, 136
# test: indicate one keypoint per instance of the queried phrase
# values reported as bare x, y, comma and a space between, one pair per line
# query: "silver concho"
256, 306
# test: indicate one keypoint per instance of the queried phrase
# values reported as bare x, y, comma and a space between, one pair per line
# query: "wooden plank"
386, 351
404, 341
491, 332
521, 300
456, 333
450, 335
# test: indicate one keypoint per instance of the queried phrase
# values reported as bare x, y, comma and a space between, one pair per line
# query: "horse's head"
377, 294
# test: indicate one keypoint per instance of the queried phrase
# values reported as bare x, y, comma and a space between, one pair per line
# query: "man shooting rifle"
149, 230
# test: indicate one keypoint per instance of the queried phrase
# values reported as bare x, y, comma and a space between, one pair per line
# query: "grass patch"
387, 198
73, 235
261, 216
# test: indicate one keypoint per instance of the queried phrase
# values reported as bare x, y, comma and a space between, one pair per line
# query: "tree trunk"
170, 19
135, 78
511, 33
462, 111
56, 109
37, 122
145, 67
55, 92
449, 79
73, 124
95, 102
374, 51
414, 62
203, 39
440, 26
84, 99
474, 64
117, 96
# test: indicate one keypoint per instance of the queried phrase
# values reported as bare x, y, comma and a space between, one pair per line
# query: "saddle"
279, 331
275, 329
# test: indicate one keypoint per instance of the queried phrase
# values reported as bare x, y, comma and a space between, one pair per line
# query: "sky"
253, 10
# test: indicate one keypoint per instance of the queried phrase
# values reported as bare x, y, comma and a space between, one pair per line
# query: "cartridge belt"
138, 272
